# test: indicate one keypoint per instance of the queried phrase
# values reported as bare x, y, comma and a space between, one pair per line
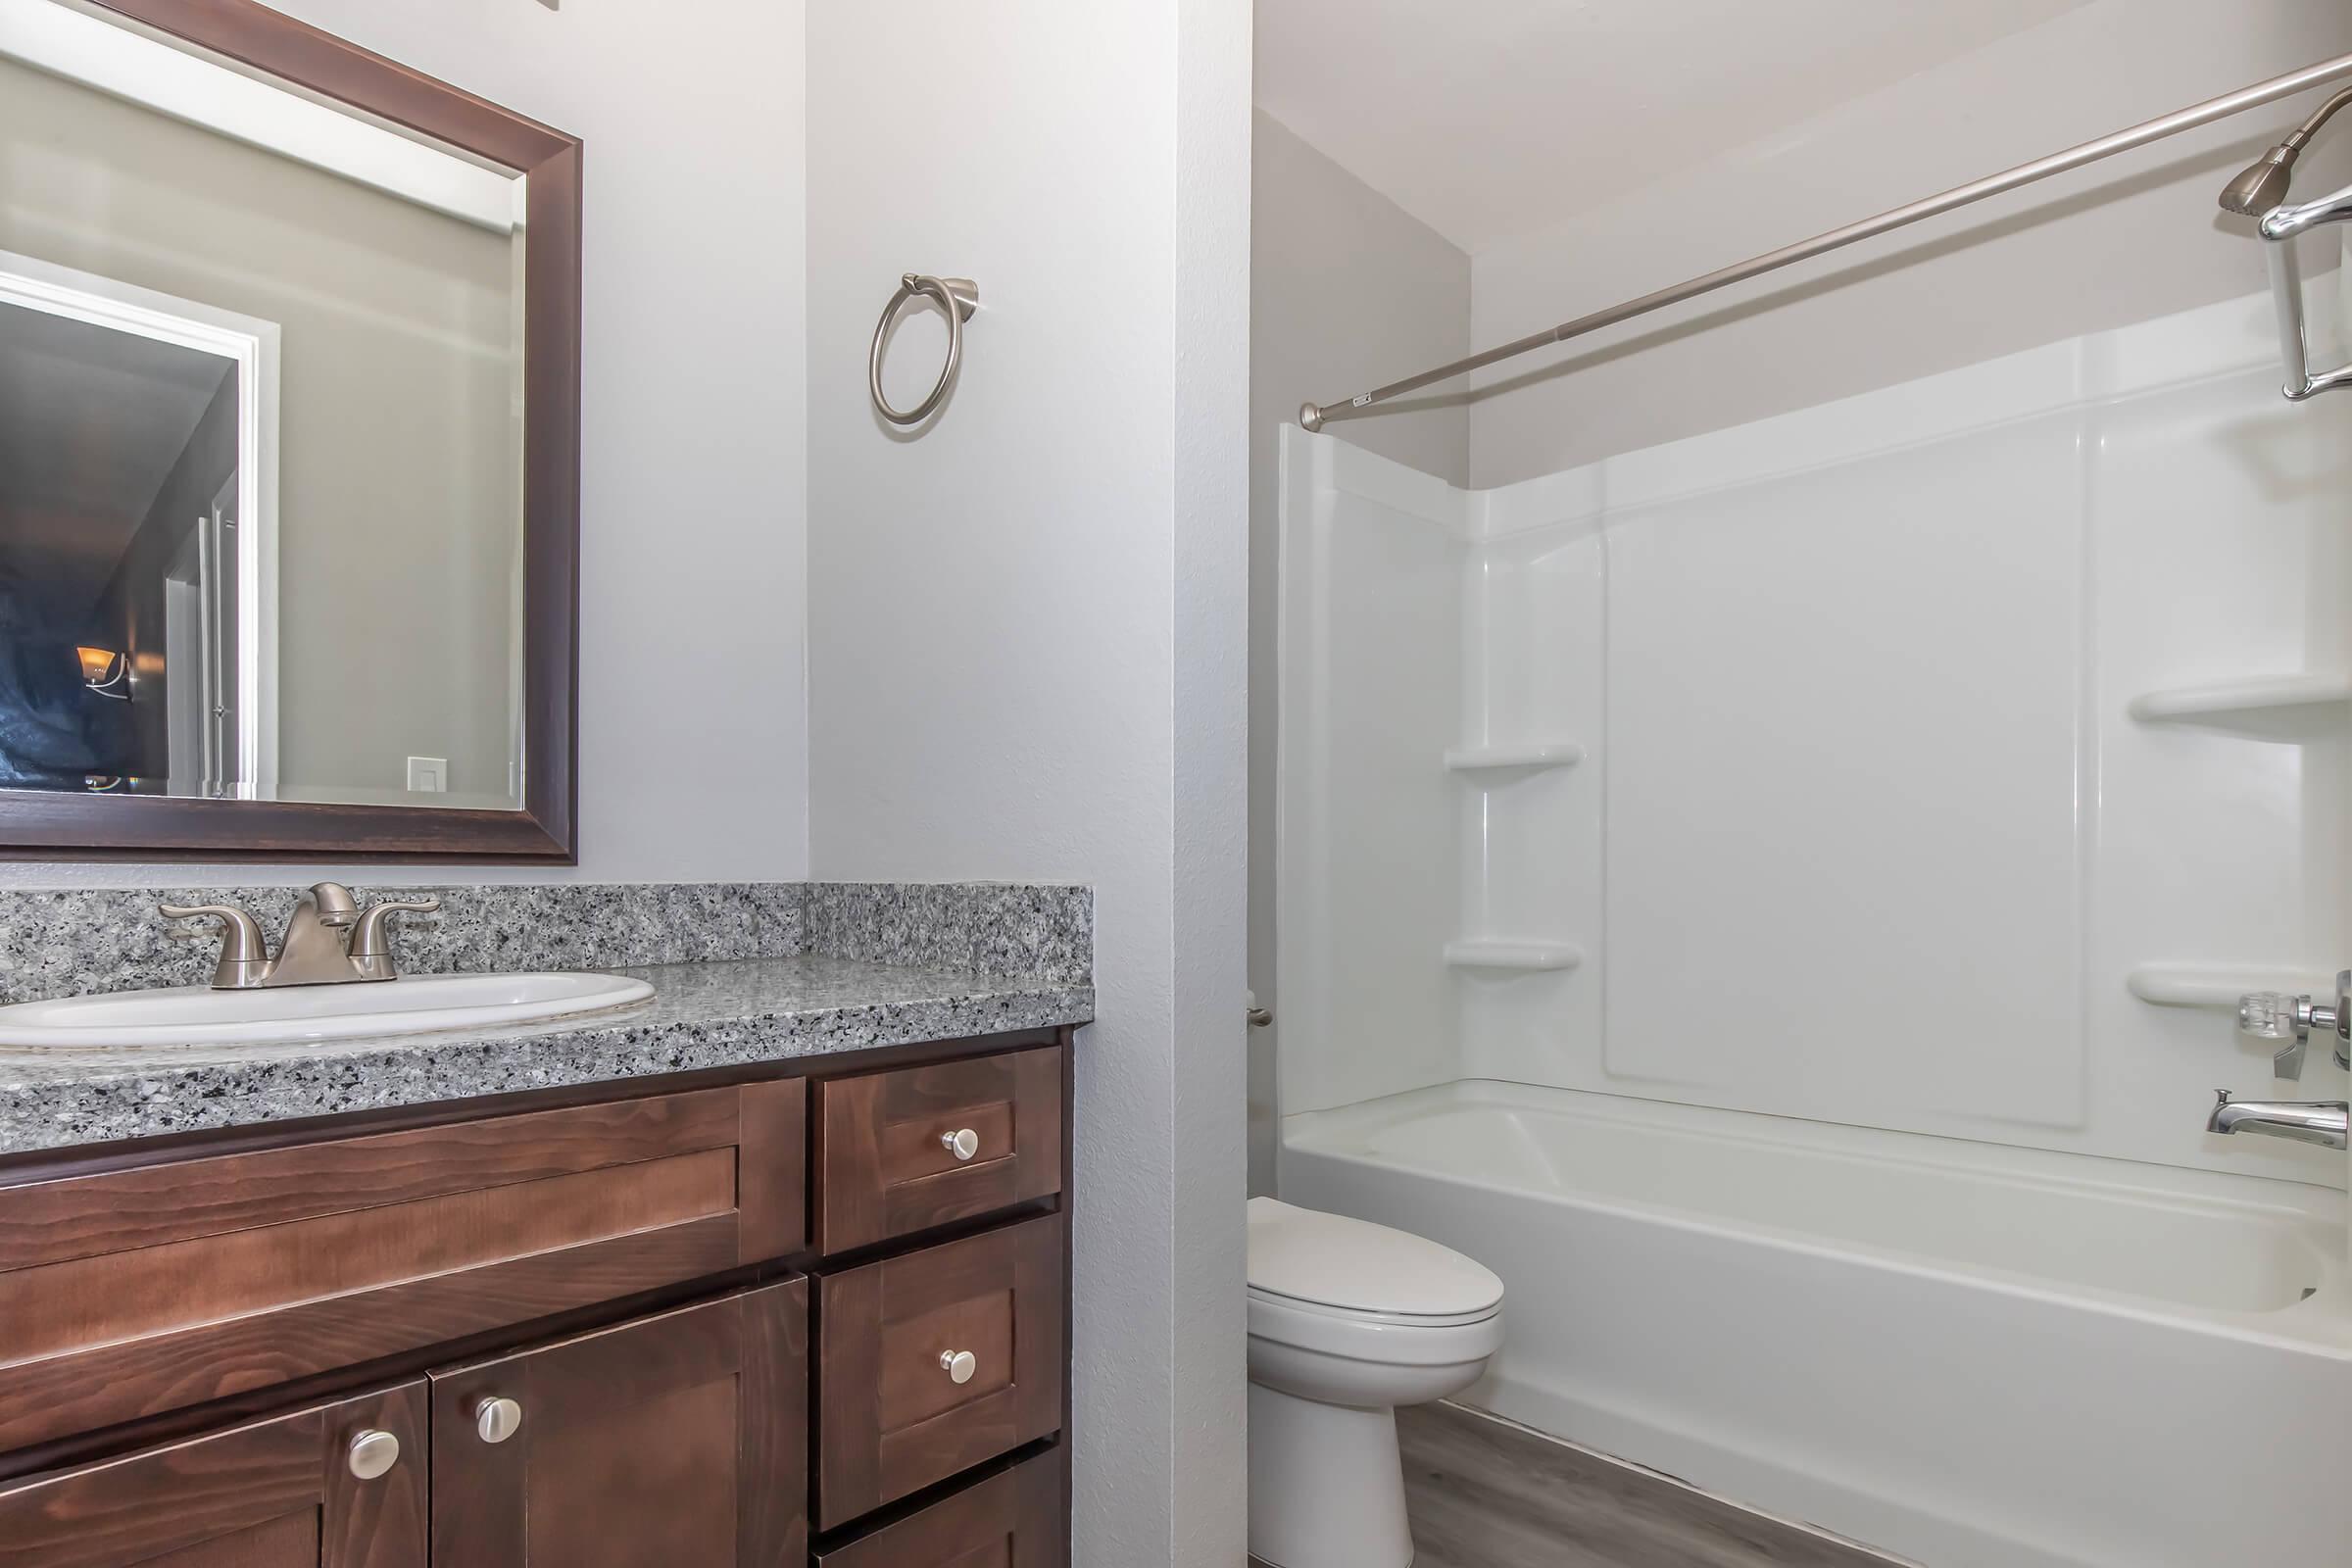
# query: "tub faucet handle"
2285, 1022
2276, 1019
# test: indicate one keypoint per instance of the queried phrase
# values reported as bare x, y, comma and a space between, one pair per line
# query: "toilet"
1346, 1321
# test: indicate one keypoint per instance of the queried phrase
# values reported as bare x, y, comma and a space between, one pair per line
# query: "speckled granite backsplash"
1041, 929
64, 943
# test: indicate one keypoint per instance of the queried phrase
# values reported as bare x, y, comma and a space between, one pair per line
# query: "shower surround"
1774, 898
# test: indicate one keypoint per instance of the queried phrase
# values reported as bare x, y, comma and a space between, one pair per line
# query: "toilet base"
1325, 1484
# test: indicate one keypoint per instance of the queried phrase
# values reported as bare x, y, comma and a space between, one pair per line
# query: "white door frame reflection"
252, 344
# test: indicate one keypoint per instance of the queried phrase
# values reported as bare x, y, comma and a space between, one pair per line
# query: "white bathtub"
1973, 1356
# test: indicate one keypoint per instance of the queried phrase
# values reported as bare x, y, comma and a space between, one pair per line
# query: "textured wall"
1027, 633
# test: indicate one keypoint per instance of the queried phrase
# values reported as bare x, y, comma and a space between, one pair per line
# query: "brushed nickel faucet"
2326, 1122
329, 940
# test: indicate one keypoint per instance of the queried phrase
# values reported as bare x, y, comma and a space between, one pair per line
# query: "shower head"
2264, 183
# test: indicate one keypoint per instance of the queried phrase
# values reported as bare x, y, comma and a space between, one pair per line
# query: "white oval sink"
187, 1015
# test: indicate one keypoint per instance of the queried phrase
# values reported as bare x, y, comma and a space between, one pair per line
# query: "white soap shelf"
1527, 757
2218, 985
2253, 694
1489, 953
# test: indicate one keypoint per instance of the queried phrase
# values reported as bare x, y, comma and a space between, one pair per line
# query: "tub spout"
2307, 1122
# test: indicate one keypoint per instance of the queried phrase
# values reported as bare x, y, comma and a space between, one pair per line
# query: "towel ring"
959, 297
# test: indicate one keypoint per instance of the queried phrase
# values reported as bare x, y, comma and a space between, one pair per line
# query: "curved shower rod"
1312, 414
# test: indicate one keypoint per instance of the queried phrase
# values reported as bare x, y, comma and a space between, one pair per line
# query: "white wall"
1347, 290
1372, 682
1027, 627
693, 747
1954, 291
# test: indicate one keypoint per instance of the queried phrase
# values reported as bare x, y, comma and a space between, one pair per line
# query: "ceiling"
1492, 118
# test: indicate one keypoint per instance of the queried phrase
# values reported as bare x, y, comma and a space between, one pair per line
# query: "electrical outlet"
428, 775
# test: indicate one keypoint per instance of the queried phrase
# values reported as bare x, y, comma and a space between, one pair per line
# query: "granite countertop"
704, 1014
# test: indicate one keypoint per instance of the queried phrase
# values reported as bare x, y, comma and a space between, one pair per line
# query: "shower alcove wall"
1773, 899
1936, 760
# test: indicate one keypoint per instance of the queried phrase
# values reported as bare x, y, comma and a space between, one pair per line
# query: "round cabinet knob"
964, 1144
497, 1419
374, 1453
959, 1365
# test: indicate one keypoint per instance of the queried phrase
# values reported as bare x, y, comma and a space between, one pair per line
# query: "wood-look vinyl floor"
1486, 1495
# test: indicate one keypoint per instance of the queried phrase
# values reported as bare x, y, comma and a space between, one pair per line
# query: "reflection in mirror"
261, 405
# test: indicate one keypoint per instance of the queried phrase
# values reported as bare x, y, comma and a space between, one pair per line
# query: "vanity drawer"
1017, 1518
891, 1417
889, 1145
127, 1293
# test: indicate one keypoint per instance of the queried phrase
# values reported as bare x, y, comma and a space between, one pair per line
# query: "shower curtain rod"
1312, 414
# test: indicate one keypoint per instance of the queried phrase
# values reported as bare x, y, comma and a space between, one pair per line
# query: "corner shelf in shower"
1520, 956
2256, 695
1527, 757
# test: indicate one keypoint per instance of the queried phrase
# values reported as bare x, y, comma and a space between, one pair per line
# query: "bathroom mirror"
288, 446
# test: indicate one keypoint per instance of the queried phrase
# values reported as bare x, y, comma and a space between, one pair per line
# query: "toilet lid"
1333, 1261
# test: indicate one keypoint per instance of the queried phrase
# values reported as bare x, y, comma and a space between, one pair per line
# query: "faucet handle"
244, 952
2281, 1021
2285, 1022
2269, 1016
370, 944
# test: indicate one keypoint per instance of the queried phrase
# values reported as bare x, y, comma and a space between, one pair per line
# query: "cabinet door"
677, 1440
301, 1490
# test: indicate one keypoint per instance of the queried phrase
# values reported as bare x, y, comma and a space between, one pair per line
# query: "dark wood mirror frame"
34, 825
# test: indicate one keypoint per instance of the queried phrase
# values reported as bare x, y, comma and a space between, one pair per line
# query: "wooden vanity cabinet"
677, 1439
574, 1333
284, 1492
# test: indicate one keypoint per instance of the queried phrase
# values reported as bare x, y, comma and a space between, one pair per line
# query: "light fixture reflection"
105, 671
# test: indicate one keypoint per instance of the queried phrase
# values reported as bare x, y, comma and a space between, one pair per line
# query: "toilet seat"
1390, 1341
1344, 1267
1400, 1320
